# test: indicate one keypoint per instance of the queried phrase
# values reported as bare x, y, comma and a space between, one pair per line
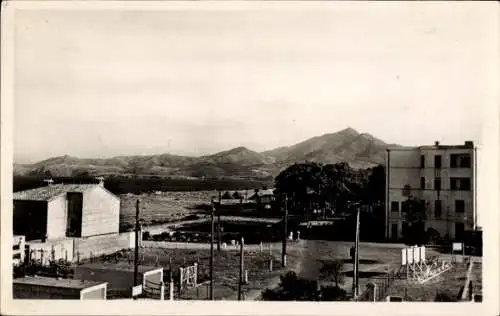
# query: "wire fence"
378, 289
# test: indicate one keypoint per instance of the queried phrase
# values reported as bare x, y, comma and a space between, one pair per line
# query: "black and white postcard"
250, 157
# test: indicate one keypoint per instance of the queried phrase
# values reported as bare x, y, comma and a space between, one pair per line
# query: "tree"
374, 189
237, 195
312, 183
333, 270
415, 213
226, 196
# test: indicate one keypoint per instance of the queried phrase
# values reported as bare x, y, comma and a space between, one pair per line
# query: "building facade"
441, 176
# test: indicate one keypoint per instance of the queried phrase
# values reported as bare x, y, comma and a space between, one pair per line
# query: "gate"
153, 290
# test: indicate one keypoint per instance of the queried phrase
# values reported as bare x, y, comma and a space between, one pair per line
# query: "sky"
103, 83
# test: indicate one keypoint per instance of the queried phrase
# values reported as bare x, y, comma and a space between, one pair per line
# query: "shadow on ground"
367, 274
361, 261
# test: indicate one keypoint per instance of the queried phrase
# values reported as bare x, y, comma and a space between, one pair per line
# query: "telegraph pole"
212, 253
356, 258
285, 228
219, 224
241, 267
136, 253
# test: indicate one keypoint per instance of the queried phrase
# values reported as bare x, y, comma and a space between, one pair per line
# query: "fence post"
270, 265
195, 274
171, 290
53, 253
41, 256
162, 291
181, 277
246, 277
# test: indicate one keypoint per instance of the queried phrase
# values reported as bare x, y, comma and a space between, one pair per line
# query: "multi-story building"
443, 177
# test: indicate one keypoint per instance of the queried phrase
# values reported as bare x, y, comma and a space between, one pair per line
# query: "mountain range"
360, 150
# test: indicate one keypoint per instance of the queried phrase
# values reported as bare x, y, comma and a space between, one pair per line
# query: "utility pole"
356, 258
285, 228
212, 253
219, 224
136, 250
241, 268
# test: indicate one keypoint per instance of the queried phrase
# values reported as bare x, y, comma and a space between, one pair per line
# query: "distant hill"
360, 150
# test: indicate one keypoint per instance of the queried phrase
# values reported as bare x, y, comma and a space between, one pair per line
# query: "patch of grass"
477, 278
163, 208
445, 287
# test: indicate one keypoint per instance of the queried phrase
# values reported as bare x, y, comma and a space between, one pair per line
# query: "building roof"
54, 282
49, 192
437, 145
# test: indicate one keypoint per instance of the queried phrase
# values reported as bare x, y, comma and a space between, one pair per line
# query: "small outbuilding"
58, 211
34, 287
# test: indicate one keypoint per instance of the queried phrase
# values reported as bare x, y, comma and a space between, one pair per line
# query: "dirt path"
300, 247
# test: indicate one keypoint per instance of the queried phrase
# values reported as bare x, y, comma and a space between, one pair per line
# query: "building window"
437, 208
404, 206
394, 206
460, 161
462, 184
437, 161
459, 231
405, 228
422, 183
437, 184
422, 161
459, 206
394, 232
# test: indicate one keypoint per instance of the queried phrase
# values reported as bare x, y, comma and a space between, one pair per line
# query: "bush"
333, 293
55, 269
191, 217
444, 297
293, 288
333, 271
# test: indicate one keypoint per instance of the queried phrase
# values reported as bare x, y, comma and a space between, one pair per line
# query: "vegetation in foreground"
294, 288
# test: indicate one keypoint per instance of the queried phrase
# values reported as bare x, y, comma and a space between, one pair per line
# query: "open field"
161, 208
166, 207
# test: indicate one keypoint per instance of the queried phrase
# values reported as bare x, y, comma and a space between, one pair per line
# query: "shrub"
333, 271
333, 293
444, 297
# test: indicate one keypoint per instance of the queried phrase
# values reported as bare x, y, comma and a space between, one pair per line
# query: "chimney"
101, 181
436, 143
469, 144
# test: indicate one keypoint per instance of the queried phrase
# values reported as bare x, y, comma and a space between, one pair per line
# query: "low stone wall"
75, 249
102, 245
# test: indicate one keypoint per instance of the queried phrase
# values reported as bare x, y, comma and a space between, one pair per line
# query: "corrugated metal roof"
49, 192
